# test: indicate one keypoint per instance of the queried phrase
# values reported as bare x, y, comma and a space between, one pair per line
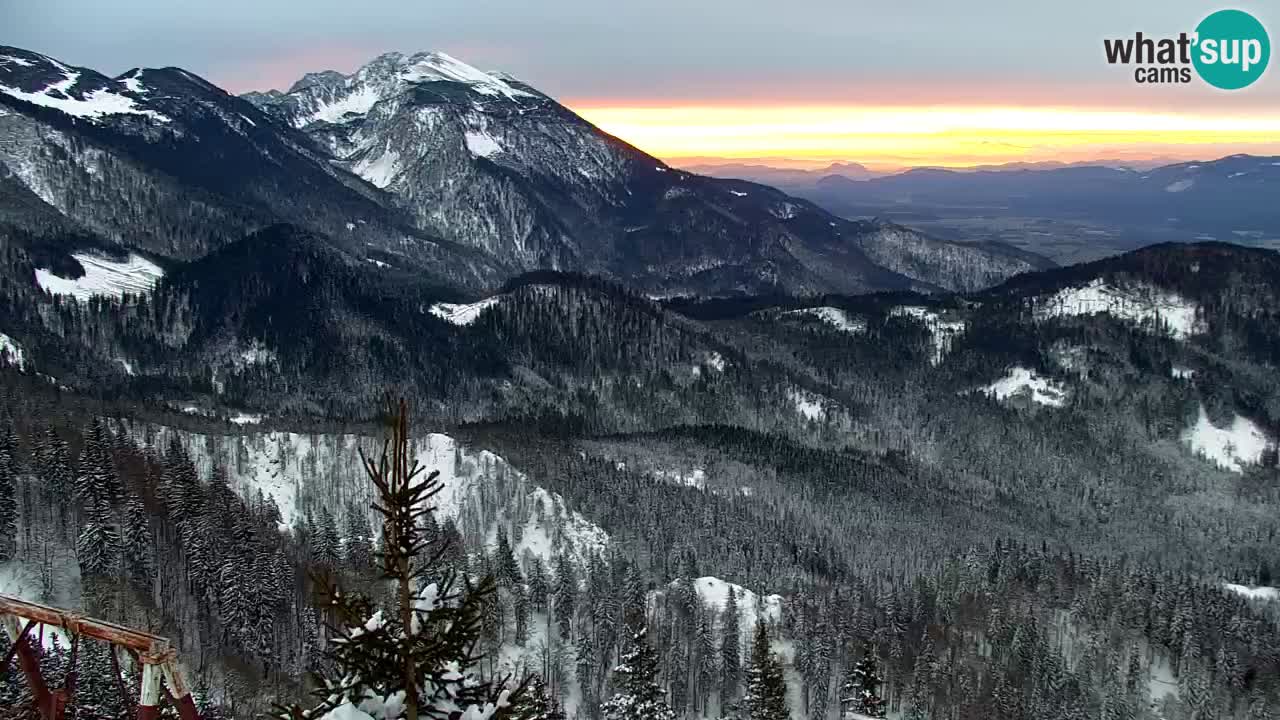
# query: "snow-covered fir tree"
860, 693
638, 695
416, 659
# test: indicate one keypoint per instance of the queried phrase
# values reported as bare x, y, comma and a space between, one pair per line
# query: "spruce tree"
638, 696
416, 660
766, 697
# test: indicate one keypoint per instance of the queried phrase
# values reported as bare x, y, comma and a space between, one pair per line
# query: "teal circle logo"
1232, 49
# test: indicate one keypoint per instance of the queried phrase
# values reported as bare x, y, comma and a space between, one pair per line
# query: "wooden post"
149, 702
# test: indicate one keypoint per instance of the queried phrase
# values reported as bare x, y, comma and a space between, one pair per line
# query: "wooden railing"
158, 658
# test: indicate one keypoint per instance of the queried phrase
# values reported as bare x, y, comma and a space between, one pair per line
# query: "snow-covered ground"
24, 581
1263, 594
1229, 448
1144, 306
11, 352
835, 317
103, 276
439, 66
944, 332
463, 313
1022, 380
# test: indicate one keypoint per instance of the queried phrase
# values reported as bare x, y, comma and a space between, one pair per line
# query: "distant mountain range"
784, 174
1224, 199
429, 167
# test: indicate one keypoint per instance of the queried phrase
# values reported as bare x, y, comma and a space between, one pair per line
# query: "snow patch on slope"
481, 144
807, 404
1021, 380
463, 313
835, 317
380, 170
103, 276
97, 104
438, 66
358, 102
1229, 448
1179, 186
1145, 306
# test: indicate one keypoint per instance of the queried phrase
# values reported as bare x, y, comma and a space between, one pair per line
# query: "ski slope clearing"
1230, 448
1143, 306
103, 277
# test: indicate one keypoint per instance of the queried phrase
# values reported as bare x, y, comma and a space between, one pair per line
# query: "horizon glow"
948, 136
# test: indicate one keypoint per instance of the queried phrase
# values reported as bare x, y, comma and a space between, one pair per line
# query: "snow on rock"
11, 352
1264, 594
1020, 381
715, 361
93, 106
357, 102
380, 170
1229, 448
245, 419
944, 332
1144, 306
103, 276
737, 193
481, 144
463, 313
695, 478
835, 317
1179, 186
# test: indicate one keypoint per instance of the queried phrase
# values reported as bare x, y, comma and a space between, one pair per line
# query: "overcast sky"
657, 50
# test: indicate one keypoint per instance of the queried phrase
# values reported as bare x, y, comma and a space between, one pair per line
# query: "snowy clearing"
11, 352
97, 104
1229, 448
463, 313
1145, 306
1022, 380
245, 419
807, 404
103, 276
1179, 186
1264, 594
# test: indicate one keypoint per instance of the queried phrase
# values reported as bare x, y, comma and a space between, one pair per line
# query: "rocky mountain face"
488, 162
